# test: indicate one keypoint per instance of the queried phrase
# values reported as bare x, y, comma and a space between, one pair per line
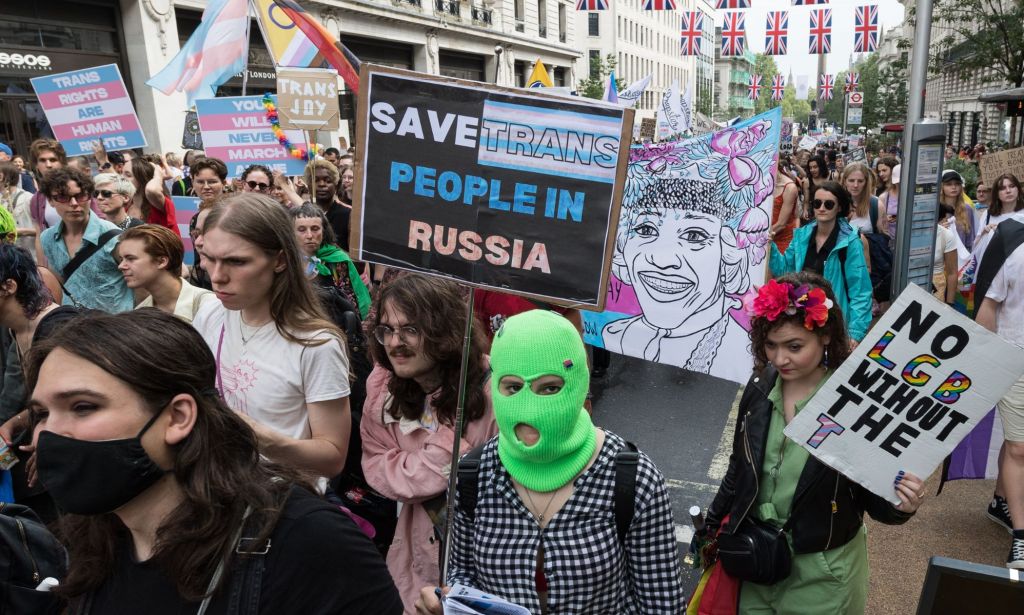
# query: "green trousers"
833, 582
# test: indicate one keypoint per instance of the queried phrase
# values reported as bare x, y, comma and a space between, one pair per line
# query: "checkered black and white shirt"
587, 570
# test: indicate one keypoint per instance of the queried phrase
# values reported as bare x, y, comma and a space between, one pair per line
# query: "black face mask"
91, 478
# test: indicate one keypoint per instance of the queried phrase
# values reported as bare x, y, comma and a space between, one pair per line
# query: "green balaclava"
530, 345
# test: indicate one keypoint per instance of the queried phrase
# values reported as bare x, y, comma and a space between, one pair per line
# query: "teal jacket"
852, 287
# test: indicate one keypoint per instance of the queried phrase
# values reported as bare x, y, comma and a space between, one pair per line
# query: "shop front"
38, 39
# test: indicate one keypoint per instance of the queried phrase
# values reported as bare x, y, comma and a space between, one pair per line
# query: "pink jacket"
410, 464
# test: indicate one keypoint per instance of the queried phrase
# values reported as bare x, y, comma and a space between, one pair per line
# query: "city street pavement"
684, 422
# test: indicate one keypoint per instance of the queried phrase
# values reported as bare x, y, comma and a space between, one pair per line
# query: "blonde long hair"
862, 205
959, 207
262, 222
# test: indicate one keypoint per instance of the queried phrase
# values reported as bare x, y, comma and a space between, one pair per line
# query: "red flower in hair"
815, 305
772, 299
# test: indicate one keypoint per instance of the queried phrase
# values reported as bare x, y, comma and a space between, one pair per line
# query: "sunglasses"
103, 193
828, 204
64, 199
257, 186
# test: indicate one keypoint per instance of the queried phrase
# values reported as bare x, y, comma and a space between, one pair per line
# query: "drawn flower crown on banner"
774, 299
736, 159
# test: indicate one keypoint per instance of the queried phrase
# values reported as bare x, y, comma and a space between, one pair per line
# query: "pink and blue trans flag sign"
185, 207
692, 239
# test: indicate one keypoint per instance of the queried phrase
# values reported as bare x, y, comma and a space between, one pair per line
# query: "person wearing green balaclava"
542, 531
527, 348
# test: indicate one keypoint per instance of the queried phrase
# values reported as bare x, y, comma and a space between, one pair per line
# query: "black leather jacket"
828, 509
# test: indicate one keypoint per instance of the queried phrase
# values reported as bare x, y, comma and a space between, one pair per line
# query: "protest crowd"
248, 418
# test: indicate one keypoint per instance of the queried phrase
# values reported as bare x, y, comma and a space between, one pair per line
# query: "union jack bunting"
692, 33
821, 31
754, 87
778, 87
808, 2
732, 4
852, 81
734, 37
865, 28
776, 33
825, 85
591, 5
659, 5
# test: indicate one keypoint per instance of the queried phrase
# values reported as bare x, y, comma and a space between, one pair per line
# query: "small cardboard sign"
88, 106
911, 391
648, 126
1007, 161
808, 143
308, 98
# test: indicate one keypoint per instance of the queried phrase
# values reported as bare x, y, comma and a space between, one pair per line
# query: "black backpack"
881, 254
29, 553
626, 462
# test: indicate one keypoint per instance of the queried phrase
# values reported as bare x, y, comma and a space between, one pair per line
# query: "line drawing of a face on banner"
692, 239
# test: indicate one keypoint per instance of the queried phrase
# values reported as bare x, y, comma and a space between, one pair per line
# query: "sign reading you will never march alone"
918, 383
500, 188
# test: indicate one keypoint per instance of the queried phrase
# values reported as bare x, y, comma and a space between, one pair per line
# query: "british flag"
591, 5
754, 87
826, 83
865, 28
659, 5
692, 33
778, 87
734, 36
732, 4
821, 31
776, 33
808, 2
852, 81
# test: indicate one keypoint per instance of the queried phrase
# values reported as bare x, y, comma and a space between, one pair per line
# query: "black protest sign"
500, 188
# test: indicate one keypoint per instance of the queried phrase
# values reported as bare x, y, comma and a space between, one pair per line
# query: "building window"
595, 61
520, 13
542, 18
561, 23
560, 77
594, 24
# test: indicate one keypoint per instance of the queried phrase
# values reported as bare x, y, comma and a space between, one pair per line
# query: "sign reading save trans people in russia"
501, 188
87, 106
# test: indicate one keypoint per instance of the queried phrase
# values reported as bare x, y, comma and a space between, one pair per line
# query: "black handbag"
29, 553
757, 552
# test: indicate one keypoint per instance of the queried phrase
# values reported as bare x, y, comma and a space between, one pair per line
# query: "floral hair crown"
774, 299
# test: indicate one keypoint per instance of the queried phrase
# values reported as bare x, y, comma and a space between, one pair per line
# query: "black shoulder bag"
757, 552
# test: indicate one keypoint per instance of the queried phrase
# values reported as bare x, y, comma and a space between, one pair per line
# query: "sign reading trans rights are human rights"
499, 188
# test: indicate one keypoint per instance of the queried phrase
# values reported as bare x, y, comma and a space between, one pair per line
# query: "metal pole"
846, 109
460, 412
245, 66
915, 112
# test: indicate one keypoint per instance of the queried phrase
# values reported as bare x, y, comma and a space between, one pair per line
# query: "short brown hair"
159, 242
56, 181
41, 145
214, 164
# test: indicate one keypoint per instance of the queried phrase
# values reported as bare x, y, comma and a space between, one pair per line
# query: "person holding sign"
151, 201
544, 529
798, 338
408, 420
830, 247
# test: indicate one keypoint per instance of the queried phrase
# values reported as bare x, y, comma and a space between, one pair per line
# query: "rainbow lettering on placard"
950, 390
876, 353
922, 378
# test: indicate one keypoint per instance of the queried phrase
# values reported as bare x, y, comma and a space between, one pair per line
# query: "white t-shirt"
945, 241
1008, 288
269, 377
861, 224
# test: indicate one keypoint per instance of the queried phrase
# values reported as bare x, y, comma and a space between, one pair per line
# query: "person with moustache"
408, 422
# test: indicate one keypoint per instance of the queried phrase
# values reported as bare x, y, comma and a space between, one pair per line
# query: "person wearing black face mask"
167, 505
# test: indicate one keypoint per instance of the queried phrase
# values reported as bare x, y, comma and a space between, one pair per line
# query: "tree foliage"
976, 35
593, 85
764, 66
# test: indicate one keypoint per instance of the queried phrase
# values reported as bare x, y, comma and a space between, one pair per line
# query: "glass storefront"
44, 38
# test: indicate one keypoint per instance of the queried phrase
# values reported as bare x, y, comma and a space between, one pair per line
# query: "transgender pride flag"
212, 55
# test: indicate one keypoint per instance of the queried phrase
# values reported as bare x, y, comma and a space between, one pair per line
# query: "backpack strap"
873, 211
842, 268
626, 462
468, 481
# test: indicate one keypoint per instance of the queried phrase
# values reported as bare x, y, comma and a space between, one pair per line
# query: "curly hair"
838, 347
56, 181
436, 307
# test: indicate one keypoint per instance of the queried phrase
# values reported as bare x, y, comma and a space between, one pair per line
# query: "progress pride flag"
89, 105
